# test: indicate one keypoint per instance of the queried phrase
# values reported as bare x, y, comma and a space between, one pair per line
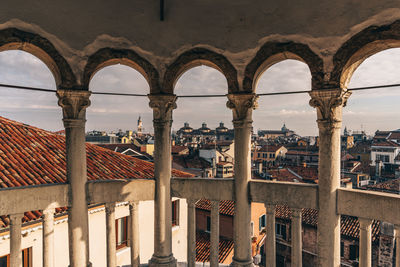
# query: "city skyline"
368, 110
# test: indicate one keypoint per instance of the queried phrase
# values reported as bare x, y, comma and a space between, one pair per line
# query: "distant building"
273, 134
101, 137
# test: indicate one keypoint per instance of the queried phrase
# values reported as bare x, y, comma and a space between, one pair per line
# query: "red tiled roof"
392, 186
269, 148
178, 149
300, 152
32, 156
386, 143
284, 175
226, 207
203, 246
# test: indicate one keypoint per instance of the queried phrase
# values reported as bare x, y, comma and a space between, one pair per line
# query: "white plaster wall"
97, 237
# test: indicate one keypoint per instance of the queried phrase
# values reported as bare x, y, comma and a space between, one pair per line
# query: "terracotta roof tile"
32, 156
203, 247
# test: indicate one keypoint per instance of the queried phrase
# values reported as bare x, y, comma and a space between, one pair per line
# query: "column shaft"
15, 240
48, 238
191, 238
297, 246
74, 104
270, 240
242, 106
397, 240
329, 103
110, 235
214, 248
365, 242
162, 119
135, 249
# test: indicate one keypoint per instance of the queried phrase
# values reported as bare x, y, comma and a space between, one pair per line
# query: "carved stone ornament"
162, 106
242, 106
329, 103
73, 103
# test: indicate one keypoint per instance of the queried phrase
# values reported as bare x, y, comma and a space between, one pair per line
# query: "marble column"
214, 238
48, 238
270, 240
297, 245
329, 103
242, 106
110, 235
191, 238
365, 243
397, 242
162, 106
74, 104
135, 237
15, 240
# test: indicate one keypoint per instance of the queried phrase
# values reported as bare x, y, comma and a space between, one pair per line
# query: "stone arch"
110, 56
274, 52
364, 44
196, 57
14, 39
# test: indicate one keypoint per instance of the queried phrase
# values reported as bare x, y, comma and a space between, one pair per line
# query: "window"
353, 252
26, 259
341, 249
251, 228
280, 230
261, 222
121, 232
208, 227
175, 212
383, 158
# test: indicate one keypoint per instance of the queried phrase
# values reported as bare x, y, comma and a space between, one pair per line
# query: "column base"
89, 265
168, 261
239, 263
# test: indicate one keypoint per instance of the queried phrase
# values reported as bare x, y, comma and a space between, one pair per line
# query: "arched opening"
34, 108
196, 120
371, 134
285, 146
111, 114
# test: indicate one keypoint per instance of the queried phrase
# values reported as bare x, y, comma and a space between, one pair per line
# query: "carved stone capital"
162, 106
74, 104
134, 206
329, 103
48, 213
191, 203
242, 106
110, 208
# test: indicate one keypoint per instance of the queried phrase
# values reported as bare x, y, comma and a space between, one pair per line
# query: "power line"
19, 87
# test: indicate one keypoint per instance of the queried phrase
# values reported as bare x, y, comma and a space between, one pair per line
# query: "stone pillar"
110, 235
74, 104
162, 106
134, 218
15, 240
48, 237
397, 240
191, 238
365, 242
270, 240
242, 106
329, 103
214, 239
297, 246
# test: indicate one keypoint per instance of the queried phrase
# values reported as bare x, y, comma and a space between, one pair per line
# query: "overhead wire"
20, 87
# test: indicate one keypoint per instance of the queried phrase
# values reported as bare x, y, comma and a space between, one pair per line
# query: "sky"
366, 110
